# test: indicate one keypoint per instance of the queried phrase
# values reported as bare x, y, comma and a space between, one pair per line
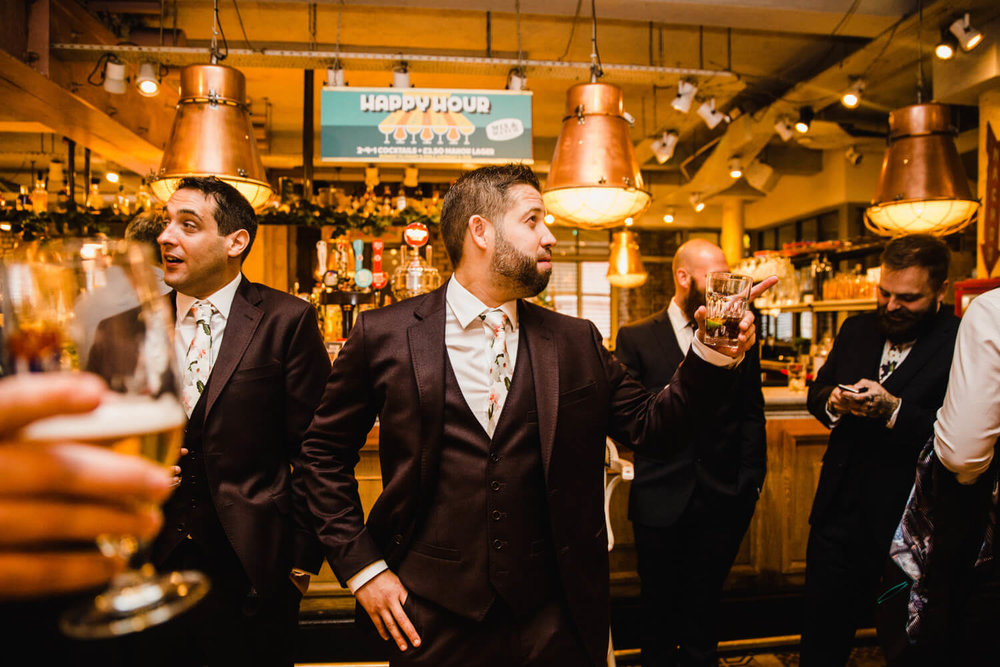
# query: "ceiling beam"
30, 96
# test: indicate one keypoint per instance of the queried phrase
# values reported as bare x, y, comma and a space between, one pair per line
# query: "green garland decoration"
30, 225
312, 215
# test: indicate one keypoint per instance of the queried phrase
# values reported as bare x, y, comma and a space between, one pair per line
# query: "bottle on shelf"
23, 202
94, 200
143, 202
40, 195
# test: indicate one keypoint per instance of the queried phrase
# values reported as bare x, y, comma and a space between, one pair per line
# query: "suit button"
397, 539
497, 515
494, 458
180, 528
498, 545
495, 485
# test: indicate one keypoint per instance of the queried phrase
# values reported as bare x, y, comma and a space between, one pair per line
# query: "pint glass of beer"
93, 304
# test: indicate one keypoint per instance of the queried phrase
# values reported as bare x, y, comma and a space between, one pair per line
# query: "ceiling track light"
853, 156
783, 126
806, 115
114, 76
516, 79
852, 96
335, 77
686, 91
696, 203
735, 167
945, 48
967, 36
148, 80
710, 115
663, 148
401, 75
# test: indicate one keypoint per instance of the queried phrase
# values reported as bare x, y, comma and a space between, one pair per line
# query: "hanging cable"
244, 30
596, 71
217, 32
572, 29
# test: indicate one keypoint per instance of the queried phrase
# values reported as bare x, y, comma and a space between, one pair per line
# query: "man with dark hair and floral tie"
878, 391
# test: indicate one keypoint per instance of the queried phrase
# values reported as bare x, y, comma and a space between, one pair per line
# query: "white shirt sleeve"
714, 357
968, 423
366, 574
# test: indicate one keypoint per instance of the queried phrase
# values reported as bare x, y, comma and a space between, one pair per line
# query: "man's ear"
942, 292
481, 231
684, 278
238, 242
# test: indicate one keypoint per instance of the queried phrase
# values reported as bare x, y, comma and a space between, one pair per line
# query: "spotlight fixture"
335, 76
853, 155
668, 217
696, 203
549, 218
806, 115
852, 96
112, 176
784, 128
401, 76
114, 76
663, 148
629, 221
516, 80
735, 167
967, 36
945, 48
710, 115
148, 81
685, 96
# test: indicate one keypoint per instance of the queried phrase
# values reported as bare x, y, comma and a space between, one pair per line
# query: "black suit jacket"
725, 453
263, 390
865, 462
393, 367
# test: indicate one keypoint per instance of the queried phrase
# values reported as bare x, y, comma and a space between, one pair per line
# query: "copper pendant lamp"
212, 136
594, 180
922, 187
625, 264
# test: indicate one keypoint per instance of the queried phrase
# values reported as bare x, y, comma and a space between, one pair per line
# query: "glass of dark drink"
726, 296
94, 305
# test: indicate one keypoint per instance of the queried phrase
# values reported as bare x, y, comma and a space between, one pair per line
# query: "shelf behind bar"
826, 306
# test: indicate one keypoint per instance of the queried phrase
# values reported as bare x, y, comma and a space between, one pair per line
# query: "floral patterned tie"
496, 322
198, 360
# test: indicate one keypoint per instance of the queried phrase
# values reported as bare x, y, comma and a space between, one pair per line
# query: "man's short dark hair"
232, 210
146, 227
923, 250
481, 192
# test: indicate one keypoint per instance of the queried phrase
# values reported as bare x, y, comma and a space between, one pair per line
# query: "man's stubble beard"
904, 325
695, 299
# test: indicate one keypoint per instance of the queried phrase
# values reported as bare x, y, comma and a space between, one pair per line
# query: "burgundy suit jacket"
393, 367
264, 387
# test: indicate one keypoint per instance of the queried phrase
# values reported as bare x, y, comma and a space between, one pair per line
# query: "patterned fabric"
496, 323
198, 360
892, 360
913, 544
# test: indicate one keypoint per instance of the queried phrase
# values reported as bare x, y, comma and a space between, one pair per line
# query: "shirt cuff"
714, 357
895, 413
832, 416
366, 574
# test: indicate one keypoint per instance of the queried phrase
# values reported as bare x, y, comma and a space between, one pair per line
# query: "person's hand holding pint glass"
724, 322
77, 304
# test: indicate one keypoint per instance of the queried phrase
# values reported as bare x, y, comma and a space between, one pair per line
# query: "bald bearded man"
690, 513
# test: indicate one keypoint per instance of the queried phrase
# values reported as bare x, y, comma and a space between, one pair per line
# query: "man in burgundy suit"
488, 544
261, 365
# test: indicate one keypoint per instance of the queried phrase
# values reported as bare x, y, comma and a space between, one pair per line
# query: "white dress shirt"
223, 302
968, 423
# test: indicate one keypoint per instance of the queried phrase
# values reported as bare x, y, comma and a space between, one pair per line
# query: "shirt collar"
222, 299
678, 320
467, 307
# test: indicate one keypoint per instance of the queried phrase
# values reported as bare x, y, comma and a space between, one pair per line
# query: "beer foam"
116, 417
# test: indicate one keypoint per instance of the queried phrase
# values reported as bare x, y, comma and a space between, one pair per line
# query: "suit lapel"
667, 339
545, 372
244, 318
923, 351
426, 338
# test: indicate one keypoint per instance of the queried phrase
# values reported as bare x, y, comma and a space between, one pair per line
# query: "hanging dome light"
922, 187
594, 180
625, 264
212, 136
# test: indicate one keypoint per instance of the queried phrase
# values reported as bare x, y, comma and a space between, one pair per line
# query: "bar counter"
772, 556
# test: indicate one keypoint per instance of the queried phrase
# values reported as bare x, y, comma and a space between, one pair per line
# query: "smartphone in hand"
852, 390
